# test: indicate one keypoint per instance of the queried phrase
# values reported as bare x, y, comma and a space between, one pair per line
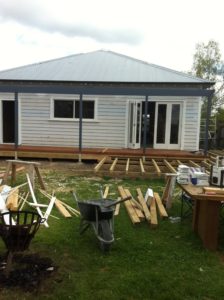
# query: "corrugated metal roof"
98, 66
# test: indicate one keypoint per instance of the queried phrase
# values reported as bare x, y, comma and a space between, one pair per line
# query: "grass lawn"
168, 262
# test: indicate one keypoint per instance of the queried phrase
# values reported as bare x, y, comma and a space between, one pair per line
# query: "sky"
161, 32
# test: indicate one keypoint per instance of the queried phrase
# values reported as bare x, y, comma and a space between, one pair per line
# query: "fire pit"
17, 228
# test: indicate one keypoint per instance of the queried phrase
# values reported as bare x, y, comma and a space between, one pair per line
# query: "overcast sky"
157, 31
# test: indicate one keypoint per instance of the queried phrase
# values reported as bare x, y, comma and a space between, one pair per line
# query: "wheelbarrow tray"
95, 209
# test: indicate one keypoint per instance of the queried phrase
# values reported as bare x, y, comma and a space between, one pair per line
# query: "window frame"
52, 117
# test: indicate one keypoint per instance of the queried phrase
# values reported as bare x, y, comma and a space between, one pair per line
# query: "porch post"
209, 106
80, 128
145, 125
16, 128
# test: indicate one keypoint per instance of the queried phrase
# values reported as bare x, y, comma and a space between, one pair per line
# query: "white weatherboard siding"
108, 130
38, 129
191, 124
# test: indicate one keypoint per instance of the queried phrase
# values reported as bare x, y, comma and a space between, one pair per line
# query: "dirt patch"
28, 272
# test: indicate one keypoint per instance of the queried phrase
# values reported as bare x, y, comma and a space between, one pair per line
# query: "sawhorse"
33, 167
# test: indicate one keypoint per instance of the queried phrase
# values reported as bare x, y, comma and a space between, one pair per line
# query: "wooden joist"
130, 210
169, 166
113, 164
194, 164
161, 208
127, 165
141, 166
99, 165
156, 167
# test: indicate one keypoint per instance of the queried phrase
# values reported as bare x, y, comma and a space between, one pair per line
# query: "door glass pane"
138, 122
161, 124
174, 127
131, 122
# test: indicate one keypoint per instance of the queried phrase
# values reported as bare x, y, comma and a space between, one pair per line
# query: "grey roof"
98, 66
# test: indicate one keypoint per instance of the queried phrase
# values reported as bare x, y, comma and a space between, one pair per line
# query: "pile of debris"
12, 199
144, 208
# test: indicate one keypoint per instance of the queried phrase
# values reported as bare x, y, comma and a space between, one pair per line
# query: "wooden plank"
99, 165
194, 164
58, 205
117, 207
161, 208
169, 166
156, 166
144, 205
113, 164
17, 161
153, 213
12, 200
34, 199
136, 206
218, 191
206, 164
39, 177
106, 191
127, 165
141, 166
131, 212
154, 220
168, 190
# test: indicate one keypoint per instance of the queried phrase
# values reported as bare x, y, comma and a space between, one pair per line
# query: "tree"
207, 58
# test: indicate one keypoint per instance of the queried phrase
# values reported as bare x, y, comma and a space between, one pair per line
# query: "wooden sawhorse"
32, 168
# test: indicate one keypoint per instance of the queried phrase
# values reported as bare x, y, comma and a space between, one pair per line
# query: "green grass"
168, 262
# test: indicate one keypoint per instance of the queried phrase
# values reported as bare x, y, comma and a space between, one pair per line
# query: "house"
101, 99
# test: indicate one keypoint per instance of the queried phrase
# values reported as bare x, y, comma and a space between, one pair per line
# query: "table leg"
206, 222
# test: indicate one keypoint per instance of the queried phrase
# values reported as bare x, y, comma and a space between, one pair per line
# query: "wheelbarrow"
100, 215
17, 229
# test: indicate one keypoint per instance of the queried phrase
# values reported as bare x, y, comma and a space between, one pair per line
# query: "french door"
135, 118
167, 125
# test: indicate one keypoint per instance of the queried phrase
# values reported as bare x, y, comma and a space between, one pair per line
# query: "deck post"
16, 128
80, 127
209, 106
145, 125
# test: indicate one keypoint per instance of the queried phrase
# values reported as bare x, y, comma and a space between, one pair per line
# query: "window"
69, 109
87, 109
63, 109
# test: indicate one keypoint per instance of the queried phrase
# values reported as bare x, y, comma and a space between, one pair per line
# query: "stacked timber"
144, 208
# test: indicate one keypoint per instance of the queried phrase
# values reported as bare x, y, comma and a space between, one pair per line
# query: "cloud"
48, 19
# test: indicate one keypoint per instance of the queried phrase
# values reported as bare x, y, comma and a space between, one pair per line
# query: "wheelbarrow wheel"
106, 234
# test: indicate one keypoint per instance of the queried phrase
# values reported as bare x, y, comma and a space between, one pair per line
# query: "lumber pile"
143, 208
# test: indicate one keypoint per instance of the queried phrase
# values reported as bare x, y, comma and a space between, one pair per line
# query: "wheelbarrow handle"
118, 201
